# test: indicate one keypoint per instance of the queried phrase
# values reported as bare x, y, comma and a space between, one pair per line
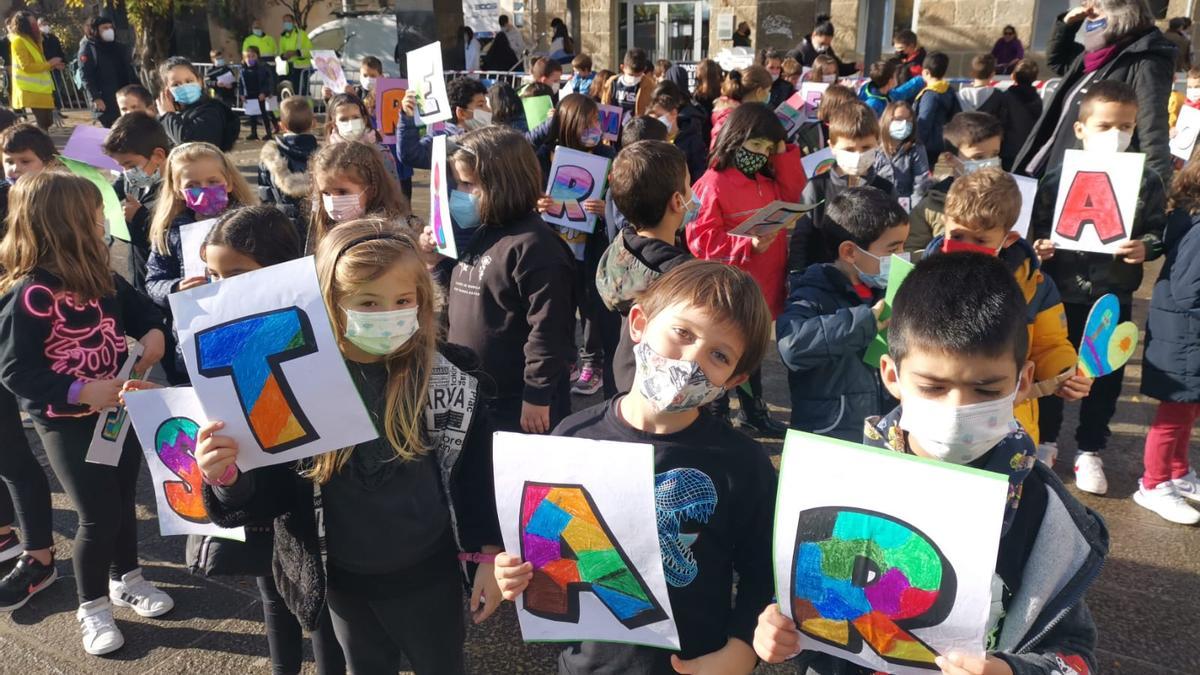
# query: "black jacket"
1171, 363
283, 177
227, 95
207, 120
500, 54
52, 47
256, 81
805, 52
1023, 107
692, 139
139, 229
781, 90
107, 66
1147, 64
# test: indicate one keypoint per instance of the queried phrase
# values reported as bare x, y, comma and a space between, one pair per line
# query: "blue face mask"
287, 26
464, 209
186, 94
693, 209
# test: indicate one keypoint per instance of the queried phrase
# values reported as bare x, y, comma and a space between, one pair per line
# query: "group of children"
986, 322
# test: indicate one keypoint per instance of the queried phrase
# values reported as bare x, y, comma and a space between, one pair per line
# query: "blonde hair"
52, 225
984, 200
355, 253
364, 165
170, 196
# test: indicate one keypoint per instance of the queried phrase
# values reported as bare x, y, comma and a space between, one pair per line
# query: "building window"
1043, 22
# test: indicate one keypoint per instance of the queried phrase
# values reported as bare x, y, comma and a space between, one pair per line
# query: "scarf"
939, 87
1092, 61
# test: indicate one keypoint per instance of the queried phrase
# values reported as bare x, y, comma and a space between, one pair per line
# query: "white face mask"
368, 82
957, 434
108, 35
829, 79
351, 129
900, 129
855, 163
671, 385
970, 166
1113, 140
380, 333
1193, 93
480, 118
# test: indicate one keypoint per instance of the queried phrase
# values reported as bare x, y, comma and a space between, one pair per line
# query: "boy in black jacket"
140, 145
700, 329
222, 79
687, 127
958, 338
283, 177
257, 82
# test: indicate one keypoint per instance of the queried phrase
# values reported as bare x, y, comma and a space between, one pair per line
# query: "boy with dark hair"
781, 89
221, 80
832, 315
911, 55
548, 72
980, 95
633, 89
698, 330
136, 98
687, 126
975, 139
935, 105
957, 342
582, 75
1023, 108
283, 177
643, 128
881, 78
140, 145
649, 185
1108, 114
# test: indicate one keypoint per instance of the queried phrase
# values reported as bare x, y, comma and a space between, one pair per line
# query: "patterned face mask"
380, 333
671, 385
749, 162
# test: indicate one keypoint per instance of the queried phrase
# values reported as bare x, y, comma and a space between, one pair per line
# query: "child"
649, 185
221, 80
140, 145
349, 181
832, 315
548, 72
256, 81
824, 69
349, 120
632, 89
582, 75
903, 162
880, 80
390, 581
283, 177
370, 69
981, 210
751, 167
1169, 372
506, 107
981, 95
188, 114
813, 134
661, 66
687, 126
596, 93
136, 98
644, 128
707, 321
792, 71
959, 321
975, 138
57, 286
911, 55
781, 89
1107, 118
936, 104
1023, 108
748, 85
26, 150
1189, 97
854, 138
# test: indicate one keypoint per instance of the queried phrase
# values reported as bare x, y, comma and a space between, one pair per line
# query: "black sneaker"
26, 580
757, 422
10, 546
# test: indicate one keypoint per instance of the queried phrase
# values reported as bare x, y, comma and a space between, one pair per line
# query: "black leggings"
24, 479
286, 640
106, 540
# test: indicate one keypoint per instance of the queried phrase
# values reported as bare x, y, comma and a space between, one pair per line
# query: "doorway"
676, 31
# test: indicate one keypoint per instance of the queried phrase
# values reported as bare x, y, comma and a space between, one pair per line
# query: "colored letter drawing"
427, 79
1107, 344
439, 201
610, 121
1186, 129
572, 550
862, 576
1097, 200
574, 178
812, 93
389, 94
1091, 201
771, 218
818, 162
175, 443
250, 351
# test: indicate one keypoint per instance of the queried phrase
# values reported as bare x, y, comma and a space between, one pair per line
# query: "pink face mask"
206, 201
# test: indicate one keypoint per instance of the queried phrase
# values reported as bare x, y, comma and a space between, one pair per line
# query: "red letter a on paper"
1091, 201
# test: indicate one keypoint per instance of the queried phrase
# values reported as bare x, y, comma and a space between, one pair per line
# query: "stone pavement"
1144, 601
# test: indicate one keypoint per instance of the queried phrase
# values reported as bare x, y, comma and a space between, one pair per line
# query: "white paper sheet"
1097, 200
225, 79
818, 162
885, 515
272, 104
426, 77
329, 66
1028, 187
191, 240
575, 177
167, 421
439, 201
263, 360
771, 218
1186, 128
252, 108
108, 438
597, 498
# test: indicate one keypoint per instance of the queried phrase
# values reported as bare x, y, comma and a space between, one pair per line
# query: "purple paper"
87, 145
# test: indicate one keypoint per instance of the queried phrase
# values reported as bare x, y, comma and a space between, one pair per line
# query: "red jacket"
727, 198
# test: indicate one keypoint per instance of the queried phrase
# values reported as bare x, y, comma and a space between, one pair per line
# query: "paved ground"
1144, 601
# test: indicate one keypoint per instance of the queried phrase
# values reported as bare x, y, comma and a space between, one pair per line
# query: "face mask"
251, 62
749, 162
218, 62
880, 280
900, 129
343, 207
1113, 140
829, 79
206, 201
138, 179
970, 166
464, 209
691, 210
108, 35
186, 94
591, 137
957, 434
555, 86
666, 122
380, 333
855, 163
1193, 93
351, 129
1093, 34
287, 26
630, 80
368, 82
258, 32
952, 246
671, 385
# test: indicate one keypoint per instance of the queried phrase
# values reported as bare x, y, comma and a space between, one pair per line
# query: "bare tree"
299, 9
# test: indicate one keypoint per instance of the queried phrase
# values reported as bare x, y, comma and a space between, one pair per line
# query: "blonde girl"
65, 316
395, 511
350, 181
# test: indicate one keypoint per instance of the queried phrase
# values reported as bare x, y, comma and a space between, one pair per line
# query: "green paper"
114, 213
537, 109
896, 276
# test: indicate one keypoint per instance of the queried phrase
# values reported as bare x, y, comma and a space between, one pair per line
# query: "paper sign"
583, 513
1107, 343
328, 64
791, 114
389, 95
810, 94
263, 360
1186, 128
252, 108
818, 162
191, 240
272, 104
897, 273
770, 219
427, 78
439, 201
1097, 200
225, 79
1028, 187
537, 110
281, 67
114, 214
898, 570
610, 121
575, 177
108, 438
167, 421
905, 203
86, 145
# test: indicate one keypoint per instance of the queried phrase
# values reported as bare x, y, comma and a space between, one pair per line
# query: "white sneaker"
1188, 485
1166, 501
1047, 453
100, 632
141, 596
1089, 473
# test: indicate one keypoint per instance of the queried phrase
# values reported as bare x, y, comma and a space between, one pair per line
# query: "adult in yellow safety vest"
31, 83
258, 38
295, 46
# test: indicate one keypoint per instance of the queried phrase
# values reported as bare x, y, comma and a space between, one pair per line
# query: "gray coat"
907, 171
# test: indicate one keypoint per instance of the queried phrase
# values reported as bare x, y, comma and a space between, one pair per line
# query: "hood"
297, 147
974, 97
1014, 256
827, 278
679, 76
274, 156
1024, 93
628, 266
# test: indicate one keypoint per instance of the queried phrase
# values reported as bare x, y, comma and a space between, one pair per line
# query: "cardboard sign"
791, 114
537, 110
885, 575
1028, 187
86, 145
328, 64
114, 213
1107, 343
427, 78
770, 219
389, 95
818, 162
439, 201
252, 107
897, 273
191, 240
575, 177
610, 121
810, 94
1186, 129
108, 438
1097, 200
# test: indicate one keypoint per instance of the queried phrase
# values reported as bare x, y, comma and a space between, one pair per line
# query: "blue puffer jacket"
822, 334
1171, 365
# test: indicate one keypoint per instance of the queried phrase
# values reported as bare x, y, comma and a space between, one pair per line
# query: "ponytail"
739, 83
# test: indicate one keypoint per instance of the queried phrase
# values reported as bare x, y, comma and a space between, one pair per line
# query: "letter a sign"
1097, 200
